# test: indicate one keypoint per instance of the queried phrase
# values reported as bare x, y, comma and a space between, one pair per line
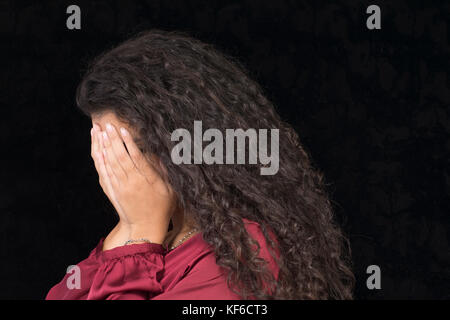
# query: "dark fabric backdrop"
372, 108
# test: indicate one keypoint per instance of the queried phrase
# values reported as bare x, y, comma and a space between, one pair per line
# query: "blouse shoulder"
125, 272
256, 232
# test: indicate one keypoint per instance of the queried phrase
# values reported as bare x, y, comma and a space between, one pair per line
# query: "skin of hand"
143, 201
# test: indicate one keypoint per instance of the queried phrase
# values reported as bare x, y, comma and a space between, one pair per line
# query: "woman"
199, 231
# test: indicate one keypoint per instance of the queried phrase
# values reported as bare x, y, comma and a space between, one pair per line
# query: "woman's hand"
142, 199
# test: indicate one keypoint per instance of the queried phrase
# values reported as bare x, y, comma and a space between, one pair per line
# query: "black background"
371, 106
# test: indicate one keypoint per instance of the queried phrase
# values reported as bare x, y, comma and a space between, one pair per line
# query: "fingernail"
95, 127
105, 136
109, 127
123, 131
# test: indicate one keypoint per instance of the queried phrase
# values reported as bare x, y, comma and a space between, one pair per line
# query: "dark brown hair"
160, 81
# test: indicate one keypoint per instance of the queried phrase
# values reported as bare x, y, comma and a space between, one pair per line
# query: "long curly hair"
160, 81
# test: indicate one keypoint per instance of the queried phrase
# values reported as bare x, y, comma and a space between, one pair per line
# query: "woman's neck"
180, 227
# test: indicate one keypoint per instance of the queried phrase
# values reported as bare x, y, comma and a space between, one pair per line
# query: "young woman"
199, 231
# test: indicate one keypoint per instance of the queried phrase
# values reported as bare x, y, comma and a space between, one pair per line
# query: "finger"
96, 131
139, 160
94, 147
92, 142
108, 177
110, 172
104, 179
118, 148
99, 159
136, 155
111, 159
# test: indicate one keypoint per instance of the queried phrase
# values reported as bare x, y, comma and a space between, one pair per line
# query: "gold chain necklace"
182, 239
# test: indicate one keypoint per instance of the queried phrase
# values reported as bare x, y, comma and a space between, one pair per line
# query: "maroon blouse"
149, 271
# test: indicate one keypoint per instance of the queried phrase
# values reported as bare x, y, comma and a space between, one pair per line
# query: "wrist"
149, 232
116, 237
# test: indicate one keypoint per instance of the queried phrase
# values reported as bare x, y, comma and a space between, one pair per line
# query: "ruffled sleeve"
128, 272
